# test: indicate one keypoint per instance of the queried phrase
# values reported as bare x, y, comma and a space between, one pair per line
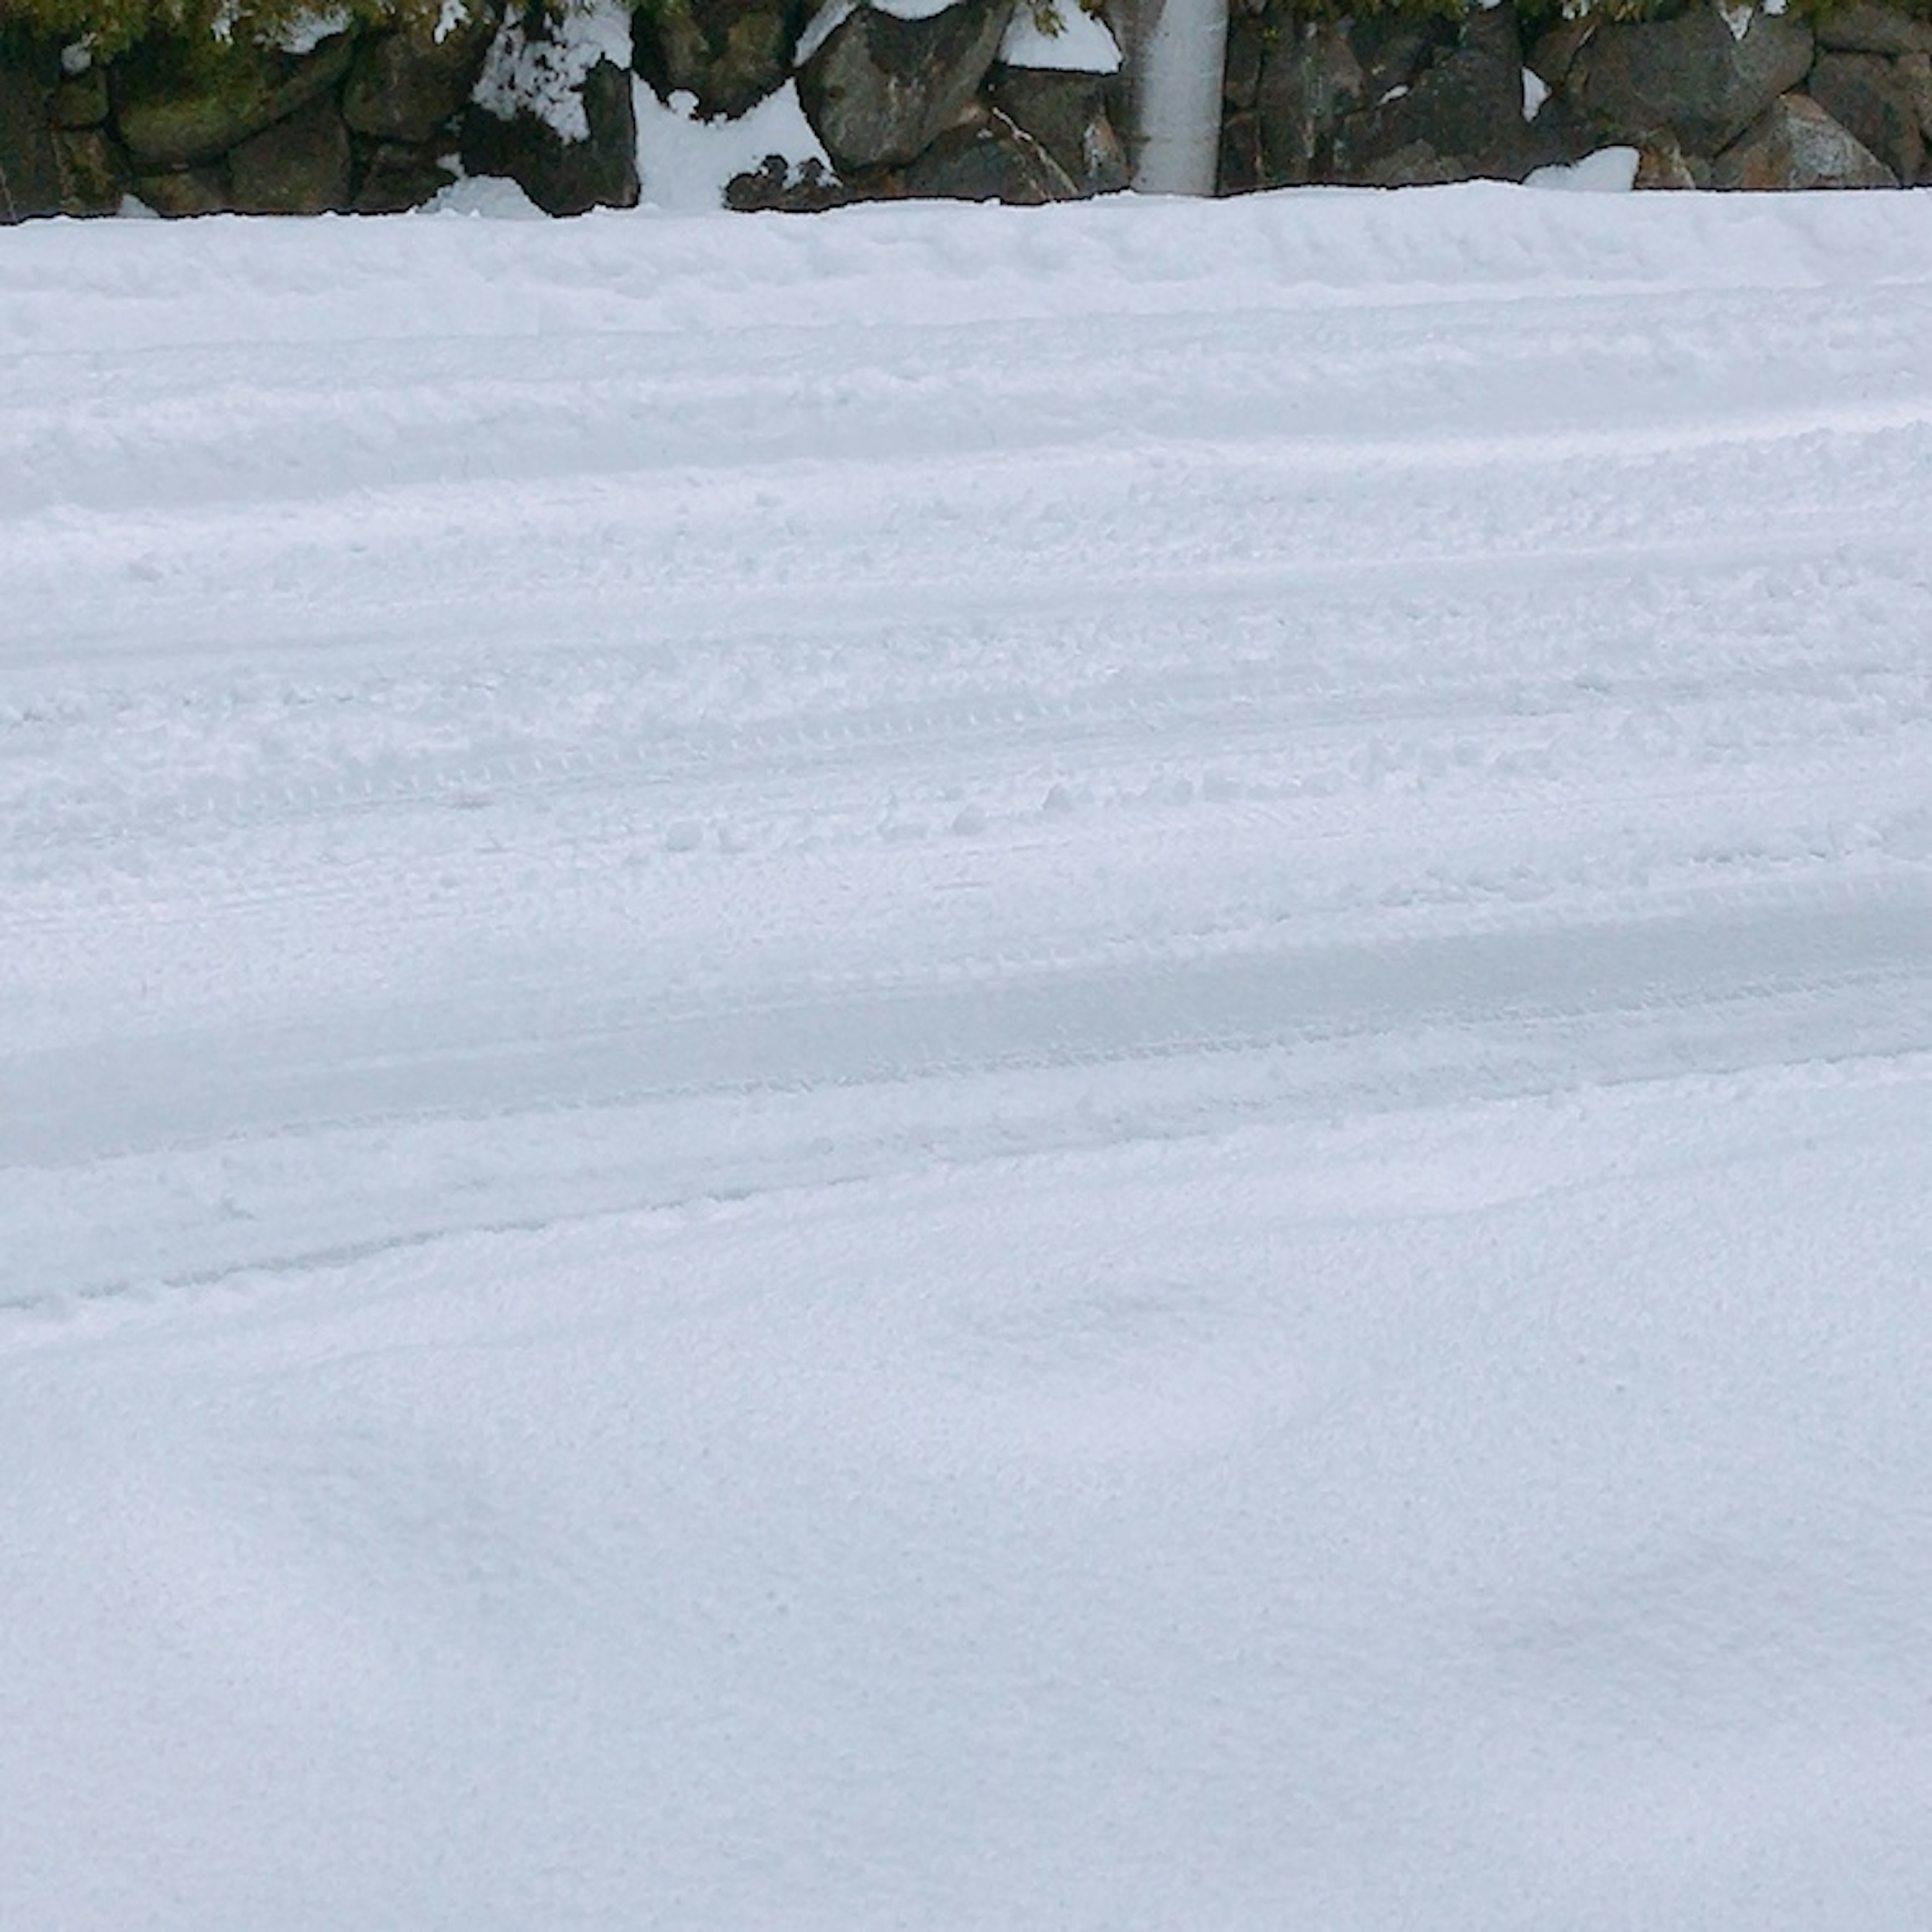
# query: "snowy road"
955, 923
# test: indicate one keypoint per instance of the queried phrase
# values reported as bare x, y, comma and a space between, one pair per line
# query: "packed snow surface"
955, 1069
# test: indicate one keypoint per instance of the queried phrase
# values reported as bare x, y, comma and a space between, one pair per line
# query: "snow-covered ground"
957, 1068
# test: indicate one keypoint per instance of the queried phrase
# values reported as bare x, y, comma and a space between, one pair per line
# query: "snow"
304, 32
830, 16
1059, 39
959, 1067
685, 163
542, 72
1608, 171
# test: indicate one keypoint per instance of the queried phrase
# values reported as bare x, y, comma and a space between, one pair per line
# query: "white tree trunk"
1176, 51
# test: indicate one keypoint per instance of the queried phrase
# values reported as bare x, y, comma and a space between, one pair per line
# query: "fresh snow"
684, 162
541, 71
961, 1068
305, 32
1608, 171
830, 15
1059, 38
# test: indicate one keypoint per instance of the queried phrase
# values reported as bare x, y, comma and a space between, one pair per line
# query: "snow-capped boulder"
1697, 75
727, 54
1058, 65
1794, 144
879, 89
563, 174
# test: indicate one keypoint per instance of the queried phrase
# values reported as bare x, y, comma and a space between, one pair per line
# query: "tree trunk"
1175, 51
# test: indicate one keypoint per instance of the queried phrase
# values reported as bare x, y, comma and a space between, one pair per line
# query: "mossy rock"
176, 192
81, 99
30, 177
299, 165
397, 176
178, 101
95, 176
405, 86
730, 54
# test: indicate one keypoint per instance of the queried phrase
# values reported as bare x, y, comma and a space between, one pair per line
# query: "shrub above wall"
111, 26
372, 106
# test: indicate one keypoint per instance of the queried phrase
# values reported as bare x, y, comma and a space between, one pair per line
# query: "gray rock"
730, 54
1794, 144
1461, 119
1310, 78
988, 159
881, 90
1552, 54
30, 172
1392, 48
396, 177
1867, 95
1067, 114
565, 177
1248, 37
178, 101
176, 192
405, 86
1691, 76
300, 166
1662, 164
1864, 27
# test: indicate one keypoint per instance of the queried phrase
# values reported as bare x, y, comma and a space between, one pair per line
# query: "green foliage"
110, 25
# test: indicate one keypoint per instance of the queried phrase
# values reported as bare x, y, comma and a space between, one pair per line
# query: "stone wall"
1710, 97
984, 100
358, 121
